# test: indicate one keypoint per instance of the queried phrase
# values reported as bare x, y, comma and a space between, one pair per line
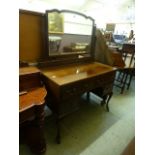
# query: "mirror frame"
70, 57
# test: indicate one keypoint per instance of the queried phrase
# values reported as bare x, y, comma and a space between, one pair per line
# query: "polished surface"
31, 36
32, 98
29, 78
28, 70
31, 92
68, 74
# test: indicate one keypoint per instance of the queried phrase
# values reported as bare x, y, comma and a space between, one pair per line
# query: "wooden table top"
28, 70
67, 74
32, 98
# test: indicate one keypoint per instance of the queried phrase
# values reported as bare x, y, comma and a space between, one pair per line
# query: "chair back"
128, 55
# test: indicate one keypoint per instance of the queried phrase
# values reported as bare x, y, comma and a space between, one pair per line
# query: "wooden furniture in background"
126, 73
117, 59
31, 108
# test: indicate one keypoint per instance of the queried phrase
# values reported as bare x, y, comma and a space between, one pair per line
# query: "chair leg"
131, 75
129, 81
119, 75
122, 79
88, 96
124, 82
106, 99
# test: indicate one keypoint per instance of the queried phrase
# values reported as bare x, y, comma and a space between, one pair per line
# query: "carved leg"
108, 99
104, 100
36, 136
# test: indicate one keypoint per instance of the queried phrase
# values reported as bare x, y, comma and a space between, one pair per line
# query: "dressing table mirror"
70, 37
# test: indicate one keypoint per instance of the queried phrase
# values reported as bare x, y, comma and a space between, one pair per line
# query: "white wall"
103, 11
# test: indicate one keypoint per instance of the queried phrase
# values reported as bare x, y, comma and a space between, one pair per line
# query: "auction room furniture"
31, 108
68, 83
126, 73
67, 75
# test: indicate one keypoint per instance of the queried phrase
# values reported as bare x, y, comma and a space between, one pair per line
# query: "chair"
124, 74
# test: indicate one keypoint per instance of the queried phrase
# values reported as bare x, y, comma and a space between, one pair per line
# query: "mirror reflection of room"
68, 33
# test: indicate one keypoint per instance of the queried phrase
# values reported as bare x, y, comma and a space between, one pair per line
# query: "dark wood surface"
32, 46
68, 83
73, 73
31, 108
35, 97
29, 78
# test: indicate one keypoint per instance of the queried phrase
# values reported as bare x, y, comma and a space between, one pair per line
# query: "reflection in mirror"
69, 32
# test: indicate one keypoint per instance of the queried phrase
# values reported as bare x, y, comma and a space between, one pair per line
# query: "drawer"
75, 89
80, 87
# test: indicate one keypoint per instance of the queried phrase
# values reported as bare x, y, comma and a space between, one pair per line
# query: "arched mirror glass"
68, 33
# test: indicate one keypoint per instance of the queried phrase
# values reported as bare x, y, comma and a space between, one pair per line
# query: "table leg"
107, 101
36, 137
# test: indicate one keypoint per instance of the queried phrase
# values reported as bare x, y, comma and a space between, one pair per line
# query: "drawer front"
29, 81
80, 87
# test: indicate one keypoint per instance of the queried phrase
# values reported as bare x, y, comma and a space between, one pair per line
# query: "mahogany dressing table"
69, 74
66, 84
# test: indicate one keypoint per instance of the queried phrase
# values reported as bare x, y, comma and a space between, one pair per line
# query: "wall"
77, 24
